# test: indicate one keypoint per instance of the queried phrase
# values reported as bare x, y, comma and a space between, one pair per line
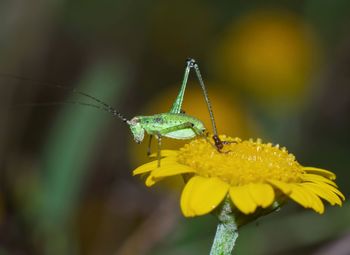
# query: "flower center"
241, 162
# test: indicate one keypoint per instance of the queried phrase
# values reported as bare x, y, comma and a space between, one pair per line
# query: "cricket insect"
173, 124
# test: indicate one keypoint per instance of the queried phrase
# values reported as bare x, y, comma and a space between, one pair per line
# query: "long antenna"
64, 103
105, 107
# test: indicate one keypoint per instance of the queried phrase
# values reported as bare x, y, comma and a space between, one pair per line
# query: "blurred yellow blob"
271, 54
228, 114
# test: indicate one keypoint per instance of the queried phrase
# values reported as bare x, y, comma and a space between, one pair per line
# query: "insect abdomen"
171, 125
181, 134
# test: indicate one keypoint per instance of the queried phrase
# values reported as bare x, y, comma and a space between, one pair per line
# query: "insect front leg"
149, 145
159, 139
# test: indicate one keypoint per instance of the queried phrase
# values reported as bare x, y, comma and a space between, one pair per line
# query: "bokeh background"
279, 70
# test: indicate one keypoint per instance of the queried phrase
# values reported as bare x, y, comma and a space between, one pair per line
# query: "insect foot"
220, 144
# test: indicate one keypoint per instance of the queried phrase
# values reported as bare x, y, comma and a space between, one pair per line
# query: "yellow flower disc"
242, 163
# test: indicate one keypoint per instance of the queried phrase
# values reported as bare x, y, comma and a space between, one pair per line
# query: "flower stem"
226, 232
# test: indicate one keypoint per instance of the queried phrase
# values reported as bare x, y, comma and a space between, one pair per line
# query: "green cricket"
174, 124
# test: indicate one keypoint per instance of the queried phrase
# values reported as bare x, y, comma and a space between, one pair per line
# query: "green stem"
226, 232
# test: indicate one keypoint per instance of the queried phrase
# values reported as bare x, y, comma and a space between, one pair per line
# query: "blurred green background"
279, 70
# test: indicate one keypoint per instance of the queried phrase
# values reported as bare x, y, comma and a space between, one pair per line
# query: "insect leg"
149, 145
176, 107
218, 143
159, 138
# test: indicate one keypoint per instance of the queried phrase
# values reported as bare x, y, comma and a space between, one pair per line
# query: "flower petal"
242, 199
319, 171
170, 170
166, 169
164, 153
262, 194
329, 187
145, 168
318, 205
150, 181
150, 166
306, 198
282, 186
324, 193
202, 195
186, 197
298, 196
319, 178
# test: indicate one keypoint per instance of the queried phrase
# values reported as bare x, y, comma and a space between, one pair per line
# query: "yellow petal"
282, 186
145, 167
242, 199
150, 181
185, 198
323, 193
323, 172
318, 205
164, 153
337, 192
202, 195
331, 188
150, 166
262, 194
314, 177
298, 196
170, 170
306, 198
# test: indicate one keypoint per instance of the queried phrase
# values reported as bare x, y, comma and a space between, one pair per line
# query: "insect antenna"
103, 106
65, 103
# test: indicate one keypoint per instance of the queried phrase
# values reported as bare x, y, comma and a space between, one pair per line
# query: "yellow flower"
251, 173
